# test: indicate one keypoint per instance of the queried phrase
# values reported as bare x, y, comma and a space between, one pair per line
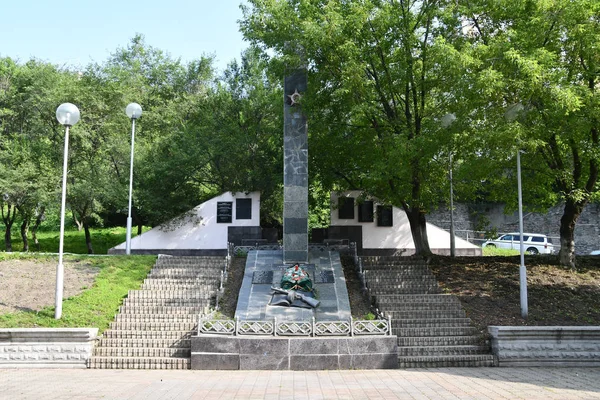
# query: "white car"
534, 243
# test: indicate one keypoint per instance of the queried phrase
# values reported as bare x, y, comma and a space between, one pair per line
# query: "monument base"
210, 352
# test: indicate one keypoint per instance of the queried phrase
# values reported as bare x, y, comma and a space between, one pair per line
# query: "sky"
77, 33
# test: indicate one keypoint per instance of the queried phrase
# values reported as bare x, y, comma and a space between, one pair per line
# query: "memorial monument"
295, 170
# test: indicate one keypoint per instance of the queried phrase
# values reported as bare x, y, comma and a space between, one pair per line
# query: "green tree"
541, 64
380, 77
29, 133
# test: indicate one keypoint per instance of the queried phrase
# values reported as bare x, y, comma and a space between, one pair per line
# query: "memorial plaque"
243, 209
224, 212
262, 277
324, 277
385, 216
346, 208
365, 211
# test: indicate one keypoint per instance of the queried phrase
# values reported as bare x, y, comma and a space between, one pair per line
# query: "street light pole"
446, 121
452, 238
67, 114
133, 111
512, 113
522, 269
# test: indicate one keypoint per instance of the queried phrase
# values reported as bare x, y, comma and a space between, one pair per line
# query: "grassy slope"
102, 240
97, 305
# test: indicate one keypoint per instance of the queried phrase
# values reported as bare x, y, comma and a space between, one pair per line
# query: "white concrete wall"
397, 236
198, 229
46, 347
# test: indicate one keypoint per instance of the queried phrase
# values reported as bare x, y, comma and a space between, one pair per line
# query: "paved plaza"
442, 383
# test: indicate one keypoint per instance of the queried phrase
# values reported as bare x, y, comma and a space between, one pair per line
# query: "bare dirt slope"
30, 285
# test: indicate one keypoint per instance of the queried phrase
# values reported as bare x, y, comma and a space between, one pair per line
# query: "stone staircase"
432, 328
154, 324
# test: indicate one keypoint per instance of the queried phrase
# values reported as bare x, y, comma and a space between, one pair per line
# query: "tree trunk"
38, 222
8, 218
139, 229
88, 238
570, 215
77, 222
418, 229
24, 231
7, 239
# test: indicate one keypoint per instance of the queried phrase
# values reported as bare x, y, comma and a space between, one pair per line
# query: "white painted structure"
398, 236
196, 230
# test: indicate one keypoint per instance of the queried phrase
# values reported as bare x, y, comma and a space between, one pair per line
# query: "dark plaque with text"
224, 212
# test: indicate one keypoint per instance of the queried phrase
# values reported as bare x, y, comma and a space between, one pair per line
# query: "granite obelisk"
295, 169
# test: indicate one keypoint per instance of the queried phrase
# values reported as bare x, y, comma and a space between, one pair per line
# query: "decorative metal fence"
273, 327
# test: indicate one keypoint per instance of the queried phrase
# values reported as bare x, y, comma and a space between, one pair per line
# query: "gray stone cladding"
295, 170
293, 353
46, 347
545, 346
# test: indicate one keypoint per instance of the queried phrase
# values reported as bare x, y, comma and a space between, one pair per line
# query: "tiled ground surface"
446, 383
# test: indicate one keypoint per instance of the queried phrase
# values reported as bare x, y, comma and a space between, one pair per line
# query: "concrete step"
191, 265
393, 299
396, 269
183, 282
139, 363
385, 290
398, 277
153, 326
429, 351
152, 352
156, 285
171, 318
402, 284
167, 302
429, 323
436, 331
163, 335
177, 343
438, 341
183, 272
420, 307
162, 309
172, 294
392, 259
167, 258
482, 360
425, 314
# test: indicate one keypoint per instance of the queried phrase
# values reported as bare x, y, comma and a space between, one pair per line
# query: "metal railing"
274, 327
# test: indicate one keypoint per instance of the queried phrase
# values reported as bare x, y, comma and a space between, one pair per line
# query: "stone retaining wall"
537, 346
294, 353
46, 347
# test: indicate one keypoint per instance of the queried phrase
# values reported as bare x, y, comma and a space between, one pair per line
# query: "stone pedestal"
295, 171
294, 353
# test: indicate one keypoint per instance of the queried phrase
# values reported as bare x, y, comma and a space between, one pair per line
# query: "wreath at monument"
296, 278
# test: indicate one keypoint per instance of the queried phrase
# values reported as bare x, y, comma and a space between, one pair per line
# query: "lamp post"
67, 115
447, 120
133, 111
511, 114
522, 269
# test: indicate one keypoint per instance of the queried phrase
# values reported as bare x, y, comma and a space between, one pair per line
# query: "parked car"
534, 243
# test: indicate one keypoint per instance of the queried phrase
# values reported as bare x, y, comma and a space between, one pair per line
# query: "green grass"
102, 240
494, 251
94, 307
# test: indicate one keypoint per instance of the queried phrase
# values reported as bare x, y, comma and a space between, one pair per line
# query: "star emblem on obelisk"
294, 97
